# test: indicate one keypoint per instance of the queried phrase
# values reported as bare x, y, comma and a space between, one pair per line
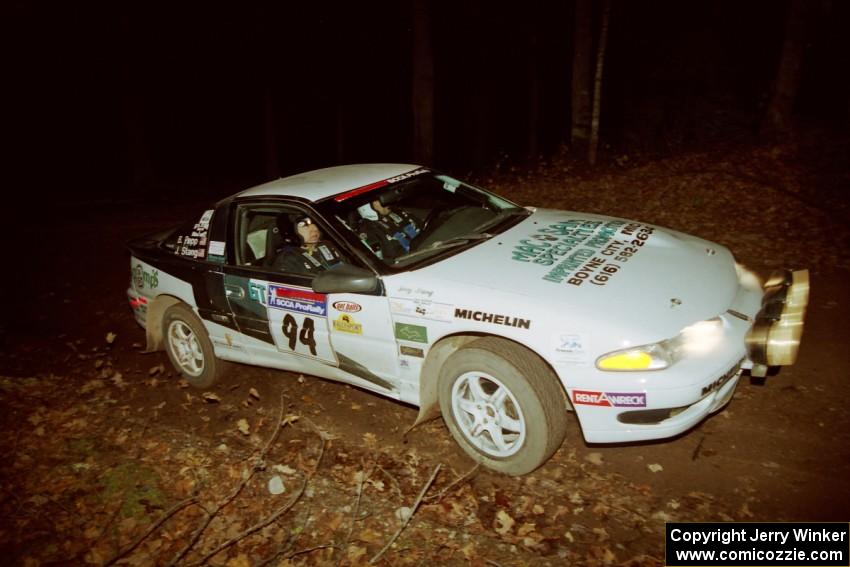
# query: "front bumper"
775, 337
762, 328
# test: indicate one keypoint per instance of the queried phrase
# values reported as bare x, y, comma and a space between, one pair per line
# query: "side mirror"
345, 279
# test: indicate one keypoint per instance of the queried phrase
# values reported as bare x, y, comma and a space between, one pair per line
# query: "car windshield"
403, 222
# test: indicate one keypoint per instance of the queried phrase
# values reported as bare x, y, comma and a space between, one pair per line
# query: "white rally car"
442, 295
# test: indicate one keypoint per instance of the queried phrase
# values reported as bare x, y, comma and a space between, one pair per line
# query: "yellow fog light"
629, 360
647, 357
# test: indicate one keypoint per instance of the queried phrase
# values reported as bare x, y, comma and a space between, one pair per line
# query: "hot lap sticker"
610, 399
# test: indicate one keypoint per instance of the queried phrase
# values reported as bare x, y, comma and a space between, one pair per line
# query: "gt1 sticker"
581, 251
346, 324
298, 300
413, 333
609, 399
422, 308
257, 291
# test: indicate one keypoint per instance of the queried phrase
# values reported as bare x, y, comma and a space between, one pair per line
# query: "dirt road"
779, 451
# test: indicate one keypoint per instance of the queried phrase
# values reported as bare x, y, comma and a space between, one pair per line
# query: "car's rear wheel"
189, 347
503, 405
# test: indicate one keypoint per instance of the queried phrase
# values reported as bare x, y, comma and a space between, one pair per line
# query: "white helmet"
367, 212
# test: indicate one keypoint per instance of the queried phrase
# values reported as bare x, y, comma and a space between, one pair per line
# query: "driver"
313, 256
388, 233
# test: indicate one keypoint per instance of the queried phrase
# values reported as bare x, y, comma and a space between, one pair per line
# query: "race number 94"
305, 336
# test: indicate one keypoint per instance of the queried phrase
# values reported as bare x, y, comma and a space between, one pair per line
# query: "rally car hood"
642, 276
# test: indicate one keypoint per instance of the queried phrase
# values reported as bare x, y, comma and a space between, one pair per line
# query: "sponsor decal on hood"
582, 251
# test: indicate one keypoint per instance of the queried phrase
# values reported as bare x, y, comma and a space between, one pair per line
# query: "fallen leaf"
240, 560
662, 516
159, 369
110, 337
370, 439
594, 458
118, 380
355, 553
284, 469
503, 523
526, 529
254, 393
211, 397
403, 513
276, 485
655, 467
243, 427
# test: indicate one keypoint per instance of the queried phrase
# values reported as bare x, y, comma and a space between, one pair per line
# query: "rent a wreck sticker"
583, 251
609, 399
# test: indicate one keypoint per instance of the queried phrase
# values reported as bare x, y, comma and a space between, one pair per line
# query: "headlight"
646, 357
698, 338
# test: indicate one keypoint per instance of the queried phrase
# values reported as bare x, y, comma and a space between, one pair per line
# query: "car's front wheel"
503, 405
189, 347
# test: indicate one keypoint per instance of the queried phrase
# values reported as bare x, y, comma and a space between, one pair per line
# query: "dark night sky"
677, 74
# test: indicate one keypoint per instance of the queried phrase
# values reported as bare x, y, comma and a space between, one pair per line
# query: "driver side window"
283, 239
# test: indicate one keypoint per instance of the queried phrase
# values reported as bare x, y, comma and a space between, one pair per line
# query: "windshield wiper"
507, 213
448, 243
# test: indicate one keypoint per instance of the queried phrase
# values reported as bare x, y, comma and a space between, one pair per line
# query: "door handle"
234, 291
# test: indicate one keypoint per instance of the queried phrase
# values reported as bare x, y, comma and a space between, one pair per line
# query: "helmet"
299, 222
367, 212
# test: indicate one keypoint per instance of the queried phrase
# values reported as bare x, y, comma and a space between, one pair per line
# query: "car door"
287, 325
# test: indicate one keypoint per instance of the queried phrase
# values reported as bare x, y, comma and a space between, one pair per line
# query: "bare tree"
580, 100
270, 134
423, 84
597, 82
777, 119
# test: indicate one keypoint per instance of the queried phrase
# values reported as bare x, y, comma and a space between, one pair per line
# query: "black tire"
188, 346
519, 411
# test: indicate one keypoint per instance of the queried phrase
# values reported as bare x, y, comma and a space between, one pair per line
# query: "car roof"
322, 183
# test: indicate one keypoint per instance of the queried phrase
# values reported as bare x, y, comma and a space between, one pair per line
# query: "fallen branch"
256, 527
168, 513
270, 519
364, 476
257, 465
394, 481
409, 516
463, 478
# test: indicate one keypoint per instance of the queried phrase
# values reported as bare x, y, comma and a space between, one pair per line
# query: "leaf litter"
90, 474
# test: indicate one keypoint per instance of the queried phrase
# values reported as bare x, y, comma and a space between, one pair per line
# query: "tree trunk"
597, 83
423, 85
580, 101
777, 120
533, 96
270, 131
